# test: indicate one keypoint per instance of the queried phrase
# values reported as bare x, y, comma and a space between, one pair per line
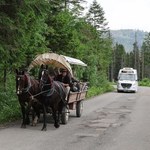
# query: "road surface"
112, 121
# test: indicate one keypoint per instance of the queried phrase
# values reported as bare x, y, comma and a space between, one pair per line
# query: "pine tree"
22, 29
119, 59
136, 56
76, 7
146, 57
96, 18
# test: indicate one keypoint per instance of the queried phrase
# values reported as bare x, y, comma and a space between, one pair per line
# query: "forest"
138, 58
126, 37
28, 28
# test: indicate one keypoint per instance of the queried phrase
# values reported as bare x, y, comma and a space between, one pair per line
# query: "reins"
42, 92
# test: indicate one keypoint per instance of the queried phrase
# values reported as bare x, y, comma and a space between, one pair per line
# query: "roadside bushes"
9, 105
96, 90
145, 82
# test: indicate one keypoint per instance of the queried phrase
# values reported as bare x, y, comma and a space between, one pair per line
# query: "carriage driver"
65, 79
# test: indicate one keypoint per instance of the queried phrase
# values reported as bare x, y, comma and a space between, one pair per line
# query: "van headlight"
134, 84
119, 84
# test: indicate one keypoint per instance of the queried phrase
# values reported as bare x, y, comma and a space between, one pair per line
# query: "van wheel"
118, 91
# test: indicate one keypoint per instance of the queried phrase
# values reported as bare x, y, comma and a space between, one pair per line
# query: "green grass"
95, 90
145, 82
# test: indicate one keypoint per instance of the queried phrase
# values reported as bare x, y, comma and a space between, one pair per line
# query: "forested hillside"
127, 37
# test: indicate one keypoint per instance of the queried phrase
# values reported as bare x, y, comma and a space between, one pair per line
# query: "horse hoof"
23, 126
33, 125
27, 122
43, 129
56, 125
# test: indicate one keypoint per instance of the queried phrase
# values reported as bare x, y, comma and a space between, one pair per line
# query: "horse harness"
26, 89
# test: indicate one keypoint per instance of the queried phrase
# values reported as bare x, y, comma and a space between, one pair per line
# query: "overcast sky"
126, 14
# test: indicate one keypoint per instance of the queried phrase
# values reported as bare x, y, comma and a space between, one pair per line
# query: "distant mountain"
127, 37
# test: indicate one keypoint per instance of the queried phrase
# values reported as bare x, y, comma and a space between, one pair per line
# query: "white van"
127, 80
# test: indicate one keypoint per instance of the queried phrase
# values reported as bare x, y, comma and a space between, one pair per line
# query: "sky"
126, 14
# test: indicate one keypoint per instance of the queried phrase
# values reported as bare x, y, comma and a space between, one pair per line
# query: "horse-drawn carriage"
75, 98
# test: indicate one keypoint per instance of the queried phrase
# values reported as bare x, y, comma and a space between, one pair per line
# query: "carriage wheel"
65, 115
79, 108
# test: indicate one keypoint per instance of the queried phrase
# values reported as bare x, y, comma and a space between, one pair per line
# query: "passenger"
65, 79
75, 85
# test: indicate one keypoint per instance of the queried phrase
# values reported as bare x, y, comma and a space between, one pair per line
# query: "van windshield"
130, 77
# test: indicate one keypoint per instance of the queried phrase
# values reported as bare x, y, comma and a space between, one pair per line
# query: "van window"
130, 77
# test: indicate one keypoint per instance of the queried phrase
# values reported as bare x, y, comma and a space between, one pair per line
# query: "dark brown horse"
26, 89
53, 95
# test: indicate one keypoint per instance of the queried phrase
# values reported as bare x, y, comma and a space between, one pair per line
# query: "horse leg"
44, 119
27, 119
23, 125
35, 115
27, 114
56, 118
36, 118
60, 108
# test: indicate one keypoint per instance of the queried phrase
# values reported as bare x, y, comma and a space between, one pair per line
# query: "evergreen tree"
29, 27
96, 18
22, 33
136, 57
61, 32
119, 59
7, 37
146, 57
76, 7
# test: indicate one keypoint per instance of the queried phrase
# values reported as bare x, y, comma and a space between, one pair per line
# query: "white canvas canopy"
50, 58
74, 61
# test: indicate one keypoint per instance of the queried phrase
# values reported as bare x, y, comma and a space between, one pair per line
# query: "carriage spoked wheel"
65, 115
79, 108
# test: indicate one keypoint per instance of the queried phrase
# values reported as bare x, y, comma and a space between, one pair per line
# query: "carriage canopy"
56, 60
74, 61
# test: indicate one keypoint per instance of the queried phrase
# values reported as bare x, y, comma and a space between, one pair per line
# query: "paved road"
112, 121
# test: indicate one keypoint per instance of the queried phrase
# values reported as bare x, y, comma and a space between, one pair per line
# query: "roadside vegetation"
28, 28
94, 91
145, 82
10, 109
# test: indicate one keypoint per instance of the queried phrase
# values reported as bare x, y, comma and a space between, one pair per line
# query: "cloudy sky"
126, 14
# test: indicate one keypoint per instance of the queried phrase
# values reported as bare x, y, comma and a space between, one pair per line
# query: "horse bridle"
44, 82
26, 89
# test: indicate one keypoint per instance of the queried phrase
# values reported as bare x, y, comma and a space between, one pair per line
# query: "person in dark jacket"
65, 79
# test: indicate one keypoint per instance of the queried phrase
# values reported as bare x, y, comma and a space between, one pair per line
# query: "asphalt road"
112, 121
